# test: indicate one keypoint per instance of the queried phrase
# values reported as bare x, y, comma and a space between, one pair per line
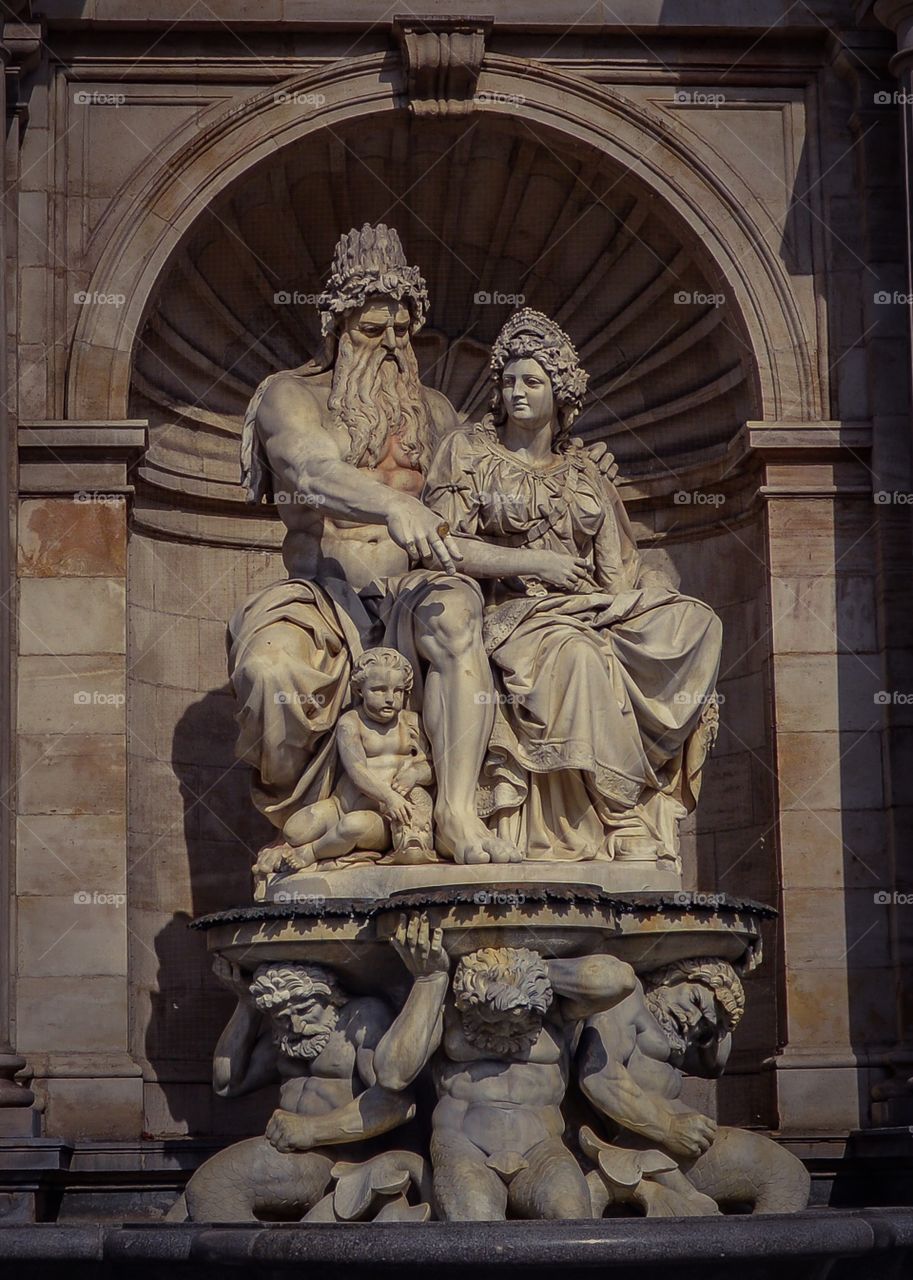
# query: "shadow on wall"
188, 1008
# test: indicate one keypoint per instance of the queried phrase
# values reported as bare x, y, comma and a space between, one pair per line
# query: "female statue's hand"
561, 570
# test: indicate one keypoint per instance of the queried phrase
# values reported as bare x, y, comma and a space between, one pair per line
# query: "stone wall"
193, 199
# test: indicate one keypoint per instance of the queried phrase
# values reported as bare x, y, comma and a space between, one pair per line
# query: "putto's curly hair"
367, 262
277, 985
531, 335
380, 657
722, 979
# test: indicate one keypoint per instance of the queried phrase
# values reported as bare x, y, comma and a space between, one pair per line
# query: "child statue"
380, 802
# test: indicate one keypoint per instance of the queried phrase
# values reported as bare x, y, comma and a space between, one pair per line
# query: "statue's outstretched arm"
589, 984
611, 1088
607, 1042
245, 1056
372, 1113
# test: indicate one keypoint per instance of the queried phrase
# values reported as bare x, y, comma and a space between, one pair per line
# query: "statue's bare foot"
271, 858
301, 857
501, 850
468, 841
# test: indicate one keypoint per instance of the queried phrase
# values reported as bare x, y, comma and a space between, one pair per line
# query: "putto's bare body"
380, 797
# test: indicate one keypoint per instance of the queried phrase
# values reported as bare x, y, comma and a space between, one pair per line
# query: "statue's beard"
295, 1045
375, 397
508, 1039
668, 1024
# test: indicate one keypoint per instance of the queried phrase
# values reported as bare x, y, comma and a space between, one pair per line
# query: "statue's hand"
690, 1134
395, 807
290, 1132
230, 975
416, 529
420, 948
599, 453
560, 570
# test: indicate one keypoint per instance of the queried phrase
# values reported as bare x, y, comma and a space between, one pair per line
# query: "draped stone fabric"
598, 724
291, 648
599, 694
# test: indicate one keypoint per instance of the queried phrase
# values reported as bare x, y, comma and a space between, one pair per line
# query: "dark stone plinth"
837, 1244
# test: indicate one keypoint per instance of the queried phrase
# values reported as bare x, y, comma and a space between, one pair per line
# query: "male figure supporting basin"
510, 1030
346, 1066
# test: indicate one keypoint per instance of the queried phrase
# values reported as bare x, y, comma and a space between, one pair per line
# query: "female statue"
604, 675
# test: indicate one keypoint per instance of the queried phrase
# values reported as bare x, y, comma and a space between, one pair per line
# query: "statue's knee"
453, 618
355, 825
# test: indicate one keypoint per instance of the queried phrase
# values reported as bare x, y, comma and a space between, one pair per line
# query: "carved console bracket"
442, 58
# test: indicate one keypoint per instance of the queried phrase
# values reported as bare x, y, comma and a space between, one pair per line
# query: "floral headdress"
367, 262
533, 336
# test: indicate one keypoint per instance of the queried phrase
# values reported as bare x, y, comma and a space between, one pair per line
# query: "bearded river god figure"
475, 718
499, 560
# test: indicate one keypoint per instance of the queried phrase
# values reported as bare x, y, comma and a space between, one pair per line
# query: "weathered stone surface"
72, 773
71, 615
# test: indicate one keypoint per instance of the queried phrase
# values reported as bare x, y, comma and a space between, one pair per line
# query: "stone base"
381, 880
20, 1122
839, 1245
647, 930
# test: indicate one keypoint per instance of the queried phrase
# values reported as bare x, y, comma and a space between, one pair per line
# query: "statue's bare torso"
320, 543
333, 1079
501, 1103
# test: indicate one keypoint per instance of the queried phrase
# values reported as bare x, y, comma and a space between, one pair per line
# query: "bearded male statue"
632, 1057
345, 1065
342, 445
